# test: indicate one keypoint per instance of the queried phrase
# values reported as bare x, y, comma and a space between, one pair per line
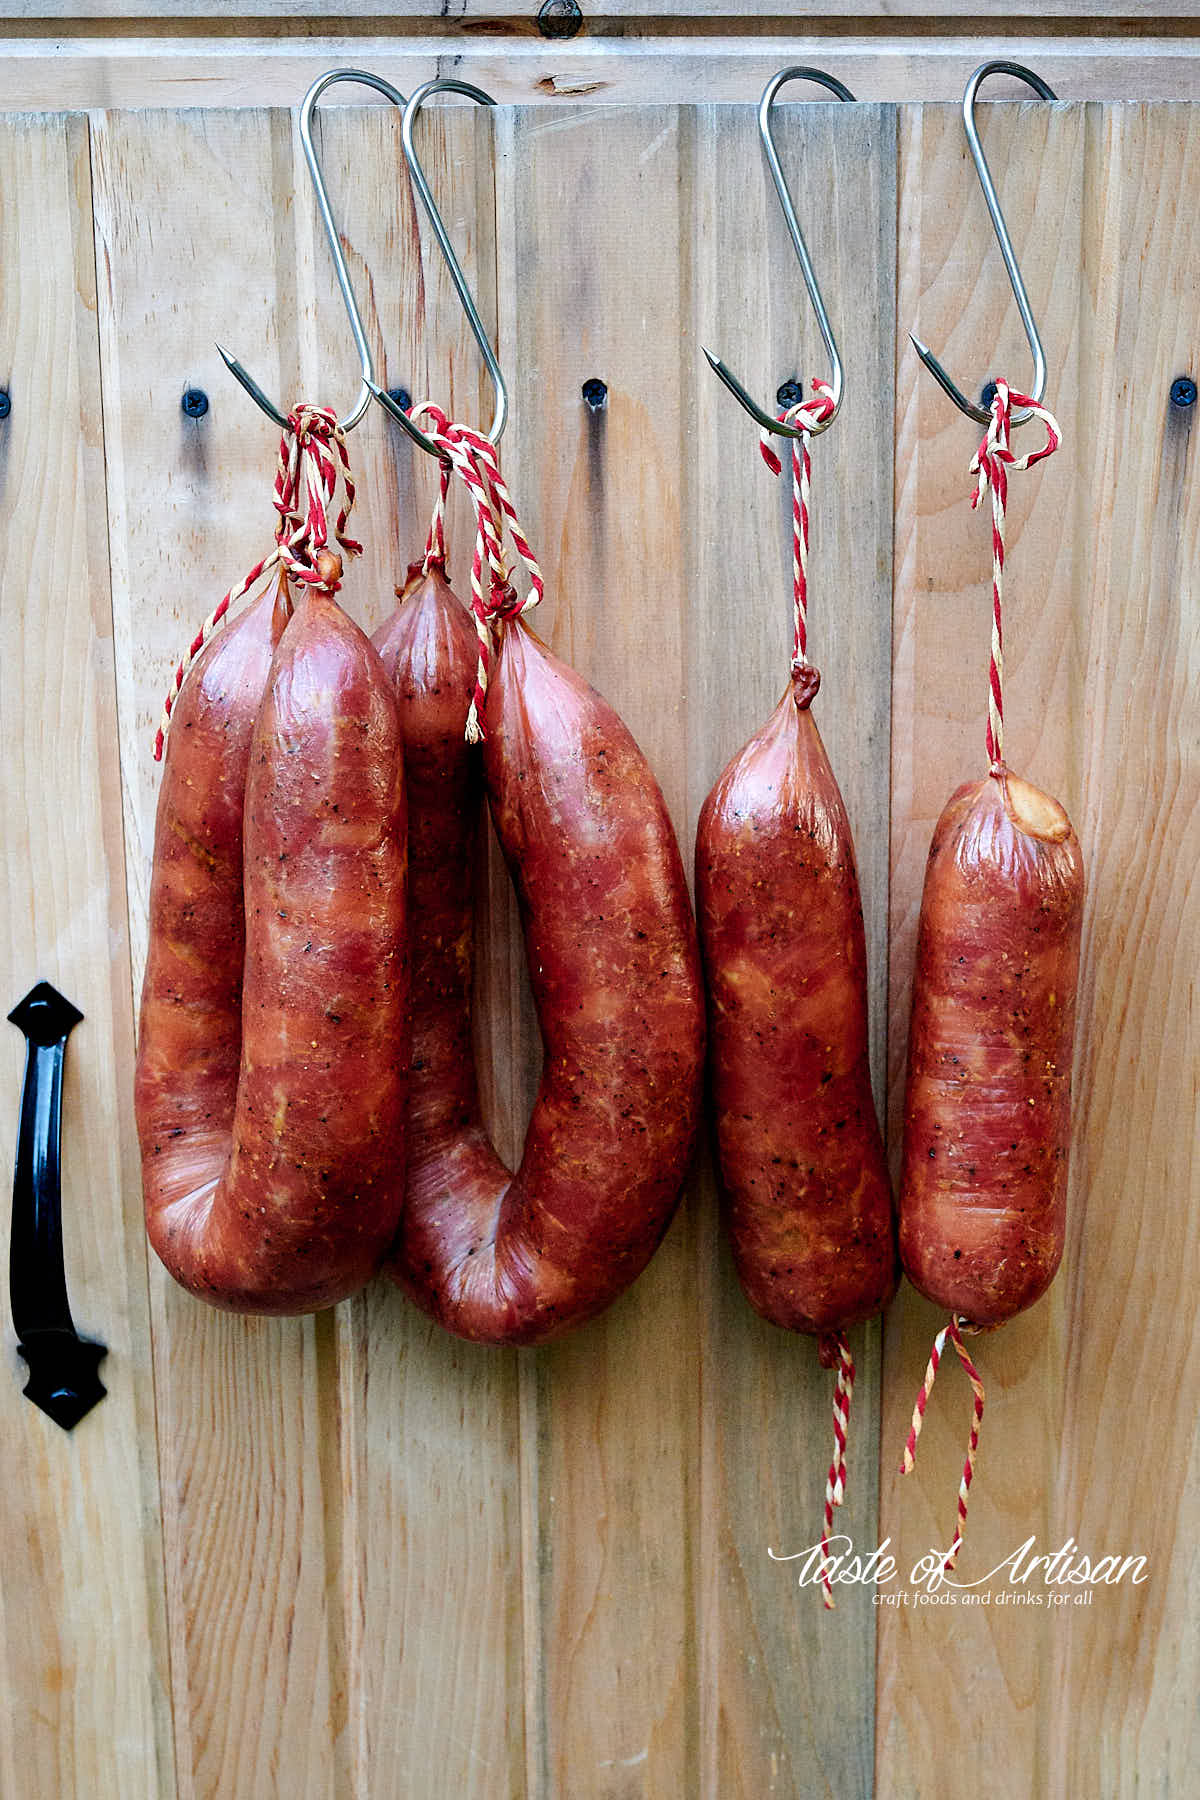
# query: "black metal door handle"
63, 1378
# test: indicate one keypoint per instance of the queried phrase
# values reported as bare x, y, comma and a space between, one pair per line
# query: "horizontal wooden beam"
138, 71
482, 15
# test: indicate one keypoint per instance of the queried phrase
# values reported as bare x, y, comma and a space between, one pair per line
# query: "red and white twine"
953, 1331
807, 414
473, 458
990, 466
835, 1484
312, 456
435, 541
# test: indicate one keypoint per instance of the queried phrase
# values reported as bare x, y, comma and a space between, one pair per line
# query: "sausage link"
987, 1117
614, 968
799, 1153
428, 646
269, 1094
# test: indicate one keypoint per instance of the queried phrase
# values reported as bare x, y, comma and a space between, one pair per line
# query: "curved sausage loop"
610, 943
767, 420
269, 1092
1032, 337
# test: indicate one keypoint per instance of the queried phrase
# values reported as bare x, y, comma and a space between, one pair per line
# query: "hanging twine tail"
990, 466
311, 466
835, 1346
807, 415
473, 458
954, 1332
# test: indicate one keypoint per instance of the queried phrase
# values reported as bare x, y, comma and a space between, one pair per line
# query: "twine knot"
504, 601
807, 415
990, 466
312, 453
474, 459
311, 466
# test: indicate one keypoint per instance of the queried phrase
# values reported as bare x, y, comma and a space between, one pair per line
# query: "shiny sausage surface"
613, 963
269, 1091
988, 1098
799, 1153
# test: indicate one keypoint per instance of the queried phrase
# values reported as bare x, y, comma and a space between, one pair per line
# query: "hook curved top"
1044, 92
765, 419
366, 361
308, 106
448, 85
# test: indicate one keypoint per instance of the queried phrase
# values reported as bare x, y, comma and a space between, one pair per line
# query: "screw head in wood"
1183, 391
595, 392
789, 393
559, 19
194, 403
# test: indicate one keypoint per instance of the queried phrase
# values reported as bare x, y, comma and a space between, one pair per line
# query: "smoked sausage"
987, 1116
269, 1089
610, 941
799, 1154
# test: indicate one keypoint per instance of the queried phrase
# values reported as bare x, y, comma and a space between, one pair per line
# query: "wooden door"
349, 1555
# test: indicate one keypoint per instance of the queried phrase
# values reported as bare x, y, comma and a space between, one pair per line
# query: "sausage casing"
800, 1158
269, 1091
987, 1118
614, 968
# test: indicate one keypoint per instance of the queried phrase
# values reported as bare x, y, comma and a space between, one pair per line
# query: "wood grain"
1123, 1718
396, 1565
247, 71
430, 1525
590, 281
777, 1670
195, 241
952, 290
1101, 655
323, 1426
510, 14
83, 1642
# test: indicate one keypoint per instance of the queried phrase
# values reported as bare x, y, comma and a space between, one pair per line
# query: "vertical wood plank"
1119, 1703
195, 241
786, 1689
953, 291
592, 272
430, 1522
344, 1499
1101, 655
83, 1641
337, 1432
